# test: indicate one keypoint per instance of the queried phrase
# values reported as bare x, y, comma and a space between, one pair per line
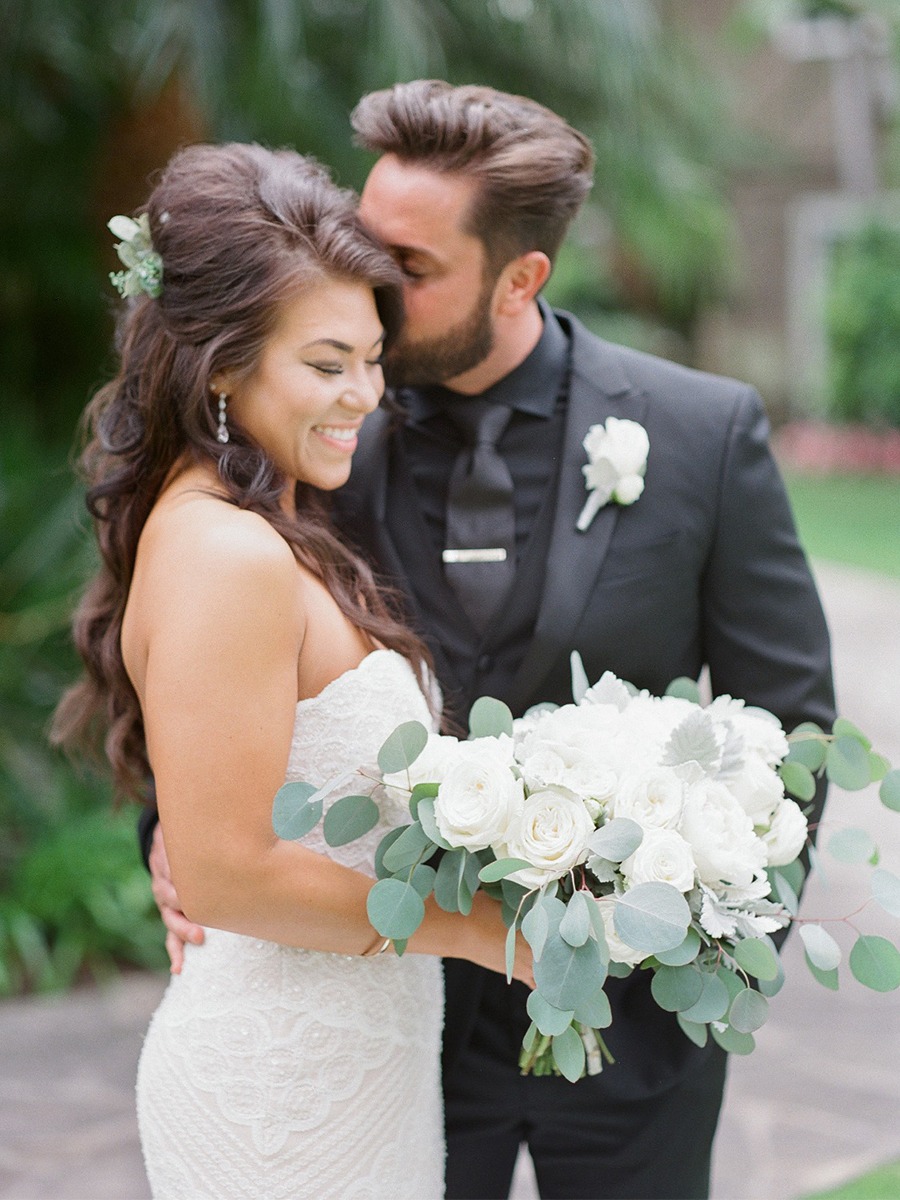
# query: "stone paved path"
817, 1102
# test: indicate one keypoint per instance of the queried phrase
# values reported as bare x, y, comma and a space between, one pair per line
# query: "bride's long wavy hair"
240, 230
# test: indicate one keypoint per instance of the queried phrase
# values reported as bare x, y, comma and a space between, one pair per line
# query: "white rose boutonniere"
618, 461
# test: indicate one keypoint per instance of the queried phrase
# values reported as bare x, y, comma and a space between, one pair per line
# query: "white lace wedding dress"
278, 1074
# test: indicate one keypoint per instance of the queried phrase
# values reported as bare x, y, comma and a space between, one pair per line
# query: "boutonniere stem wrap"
135, 250
617, 453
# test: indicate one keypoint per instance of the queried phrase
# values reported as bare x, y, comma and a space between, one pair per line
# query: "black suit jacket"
704, 569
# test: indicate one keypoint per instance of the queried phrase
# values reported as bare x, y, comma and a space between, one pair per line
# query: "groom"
469, 501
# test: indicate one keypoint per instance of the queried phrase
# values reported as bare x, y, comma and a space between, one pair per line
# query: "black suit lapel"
598, 389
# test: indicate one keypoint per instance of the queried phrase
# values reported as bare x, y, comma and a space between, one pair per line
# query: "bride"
233, 642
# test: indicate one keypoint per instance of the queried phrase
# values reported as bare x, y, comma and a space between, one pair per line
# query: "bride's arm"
225, 625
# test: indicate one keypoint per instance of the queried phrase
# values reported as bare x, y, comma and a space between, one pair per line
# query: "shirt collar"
532, 387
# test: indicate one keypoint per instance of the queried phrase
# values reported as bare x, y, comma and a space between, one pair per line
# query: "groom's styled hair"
533, 168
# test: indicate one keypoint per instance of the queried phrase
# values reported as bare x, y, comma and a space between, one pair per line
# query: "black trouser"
641, 1130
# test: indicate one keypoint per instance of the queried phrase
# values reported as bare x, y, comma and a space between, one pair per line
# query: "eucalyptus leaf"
510, 952
749, 1011
679, 956
771, 987
569, 1055
784, 892
395, 909
535, 927
889, 792
886, 890
757, 958
575, 927
500, 868
422, 879
809, 752
844, 728
697, 1033
878, 766
292, 814
469, 883
381, 871
652, 917
549, 1020
567, 976
410, 848
580, 681
821, 948
733, 1041
676, 988
828, 979
489, 718
847, 764
875, 962
422, 791
349, 818
798, 780
595, 1011
712, 1003
449, 875
684, 688
403, 747
617, 839
425, 816
733, 982
598, 928
852, 846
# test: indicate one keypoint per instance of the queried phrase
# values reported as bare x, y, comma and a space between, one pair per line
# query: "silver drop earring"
222, 431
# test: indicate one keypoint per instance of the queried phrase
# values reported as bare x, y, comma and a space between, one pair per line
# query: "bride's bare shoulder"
194, 526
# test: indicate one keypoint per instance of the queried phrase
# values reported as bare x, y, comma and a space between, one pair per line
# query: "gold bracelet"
377, 947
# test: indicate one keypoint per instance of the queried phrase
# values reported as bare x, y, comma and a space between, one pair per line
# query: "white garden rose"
619, 951
564, 766
551, 833
760, 731
721, 836
429, 767
662, 857
618, 459
786, 835
479, 798
758, 789
653, 798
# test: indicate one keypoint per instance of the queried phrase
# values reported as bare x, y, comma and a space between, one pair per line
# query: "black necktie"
481, 530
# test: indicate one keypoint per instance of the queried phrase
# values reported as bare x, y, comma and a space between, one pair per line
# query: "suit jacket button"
485, 663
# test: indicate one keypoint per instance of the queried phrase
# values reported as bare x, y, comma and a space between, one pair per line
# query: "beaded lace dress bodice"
281, 1073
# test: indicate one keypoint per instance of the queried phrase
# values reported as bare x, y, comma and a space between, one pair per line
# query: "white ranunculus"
429, 767
721, 836
551, 833
479, 799
619, 951
628, 489
758, 789
786, 835
662, 857
654, 798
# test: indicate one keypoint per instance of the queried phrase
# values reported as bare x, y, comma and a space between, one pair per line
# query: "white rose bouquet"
623, 831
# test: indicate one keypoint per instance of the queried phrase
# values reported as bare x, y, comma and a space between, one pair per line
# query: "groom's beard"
435, 360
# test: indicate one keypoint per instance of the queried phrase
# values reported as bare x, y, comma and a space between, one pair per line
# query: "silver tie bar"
495, 554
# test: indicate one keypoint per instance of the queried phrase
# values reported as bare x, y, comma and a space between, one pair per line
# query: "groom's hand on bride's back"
179, 929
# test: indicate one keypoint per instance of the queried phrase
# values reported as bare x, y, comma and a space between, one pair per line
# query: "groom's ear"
519, 283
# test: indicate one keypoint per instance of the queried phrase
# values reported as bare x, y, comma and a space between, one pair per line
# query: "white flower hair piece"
617, 453
135, 250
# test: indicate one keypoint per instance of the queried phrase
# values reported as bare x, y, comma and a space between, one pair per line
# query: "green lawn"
880, 1184
852, 519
